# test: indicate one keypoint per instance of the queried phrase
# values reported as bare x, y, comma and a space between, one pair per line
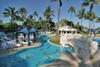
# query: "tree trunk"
93, 28
16, 37
11, 23
90, 27
34, 37
91, 8
81, 21
28, 37
70, 20
58, 17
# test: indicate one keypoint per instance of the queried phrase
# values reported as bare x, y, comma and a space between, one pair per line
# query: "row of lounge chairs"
9, 43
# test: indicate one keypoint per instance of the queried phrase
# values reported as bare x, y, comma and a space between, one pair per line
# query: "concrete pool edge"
19, 49
25, 47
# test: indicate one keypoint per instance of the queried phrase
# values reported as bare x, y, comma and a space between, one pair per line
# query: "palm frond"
72, 10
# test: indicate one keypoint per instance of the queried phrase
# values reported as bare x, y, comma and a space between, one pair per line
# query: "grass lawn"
98, 35
84, 34
55, 39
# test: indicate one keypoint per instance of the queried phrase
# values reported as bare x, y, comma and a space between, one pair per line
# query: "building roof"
67, 28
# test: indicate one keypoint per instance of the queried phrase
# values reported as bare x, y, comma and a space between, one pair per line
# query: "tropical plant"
10, 12
1, 25
90, 13
71, 10
81, 14
87, 3
35, 14
91, 20
65, 22
22, 14
48, 13
9, 28
28, 25
59, 2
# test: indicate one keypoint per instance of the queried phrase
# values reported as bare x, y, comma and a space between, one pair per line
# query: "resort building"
66, 30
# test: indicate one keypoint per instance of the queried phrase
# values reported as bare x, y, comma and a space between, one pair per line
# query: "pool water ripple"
32, 57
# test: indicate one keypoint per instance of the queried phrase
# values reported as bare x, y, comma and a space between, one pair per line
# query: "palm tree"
91, 16
10, 12
28, 24
90, 13
35, 14
22, 13
81, 14
71, 10
48, 13
39, 24
64, 22
59, 2
89, 2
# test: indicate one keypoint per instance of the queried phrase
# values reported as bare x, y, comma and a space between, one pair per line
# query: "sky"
40, 6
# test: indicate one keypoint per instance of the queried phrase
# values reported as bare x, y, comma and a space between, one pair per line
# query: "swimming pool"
32, 57
98, 40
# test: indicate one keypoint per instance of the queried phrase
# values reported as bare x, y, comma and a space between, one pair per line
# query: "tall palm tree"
87, 16
91, 16
10, 12
71, 10
48, 13
35, 14
81, 14
28, 24
22, 13
91, 4
59, 2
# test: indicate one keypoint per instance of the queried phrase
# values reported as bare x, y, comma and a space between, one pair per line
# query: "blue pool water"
98, 40
32, 57
35, 56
